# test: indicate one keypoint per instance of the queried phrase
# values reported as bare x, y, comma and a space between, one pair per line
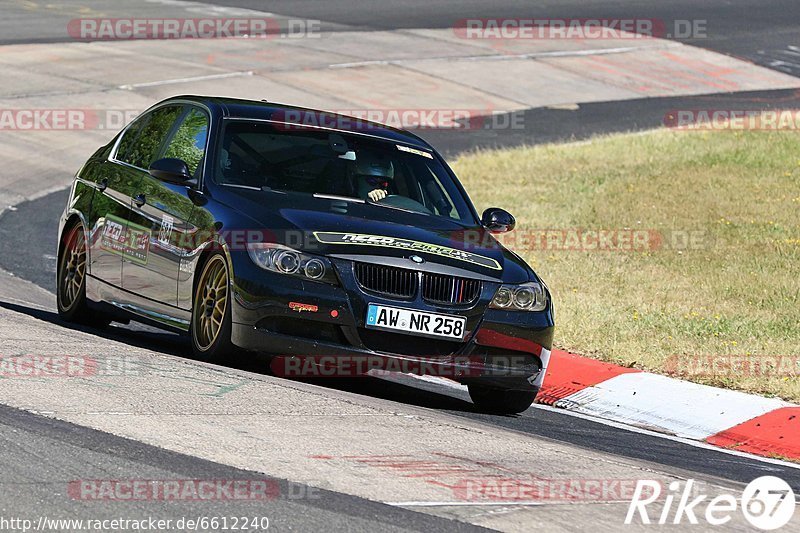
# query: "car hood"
358, 231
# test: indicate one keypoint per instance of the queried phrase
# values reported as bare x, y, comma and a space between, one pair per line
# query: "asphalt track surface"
53, 446
33, 447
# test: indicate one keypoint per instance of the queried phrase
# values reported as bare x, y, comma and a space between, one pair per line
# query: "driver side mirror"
171, 170
498, 220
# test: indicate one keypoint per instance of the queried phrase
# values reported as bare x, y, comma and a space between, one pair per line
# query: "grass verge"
708, 289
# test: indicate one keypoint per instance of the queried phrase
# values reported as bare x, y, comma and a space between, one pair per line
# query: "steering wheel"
403, 202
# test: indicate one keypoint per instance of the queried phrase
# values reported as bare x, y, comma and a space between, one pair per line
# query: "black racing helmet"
372, 170
374, 164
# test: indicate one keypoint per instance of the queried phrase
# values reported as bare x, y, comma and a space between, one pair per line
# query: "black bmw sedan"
315, 237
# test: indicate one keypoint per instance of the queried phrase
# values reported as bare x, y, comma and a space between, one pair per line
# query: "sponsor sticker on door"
124, 238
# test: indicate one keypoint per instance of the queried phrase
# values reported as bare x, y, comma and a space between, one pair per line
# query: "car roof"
303, 116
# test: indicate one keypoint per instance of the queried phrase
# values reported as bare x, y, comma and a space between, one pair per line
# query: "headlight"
285, 260
504, 298
525, 297
314, 269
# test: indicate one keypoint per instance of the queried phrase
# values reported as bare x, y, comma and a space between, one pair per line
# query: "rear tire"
71, 281
501, 401
211, 312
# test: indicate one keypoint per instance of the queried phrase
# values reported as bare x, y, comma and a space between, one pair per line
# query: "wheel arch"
209, 249
73, 218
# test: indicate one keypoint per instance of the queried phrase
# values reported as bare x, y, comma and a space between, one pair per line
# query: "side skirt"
129, 306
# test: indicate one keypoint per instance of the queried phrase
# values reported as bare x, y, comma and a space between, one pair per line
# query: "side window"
189, 141
129, 138
157, 125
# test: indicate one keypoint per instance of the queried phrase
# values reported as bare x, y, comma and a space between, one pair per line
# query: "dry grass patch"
730, 300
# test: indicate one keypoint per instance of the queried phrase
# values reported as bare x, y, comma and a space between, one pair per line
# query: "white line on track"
502, 503
463, 504
499, 57
187, 80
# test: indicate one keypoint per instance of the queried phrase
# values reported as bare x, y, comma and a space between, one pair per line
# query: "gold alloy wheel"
210, 302
73, 268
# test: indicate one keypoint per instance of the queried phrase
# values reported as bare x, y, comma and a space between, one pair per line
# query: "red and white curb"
721, 417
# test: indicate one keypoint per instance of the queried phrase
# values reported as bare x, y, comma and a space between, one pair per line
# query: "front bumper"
285, 315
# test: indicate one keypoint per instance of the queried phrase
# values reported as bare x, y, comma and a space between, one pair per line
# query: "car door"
118, 178
163, 211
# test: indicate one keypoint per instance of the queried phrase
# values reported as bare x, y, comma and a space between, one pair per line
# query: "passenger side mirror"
171, 170
498, 220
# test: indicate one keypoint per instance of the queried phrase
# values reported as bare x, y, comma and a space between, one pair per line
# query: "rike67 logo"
767, 503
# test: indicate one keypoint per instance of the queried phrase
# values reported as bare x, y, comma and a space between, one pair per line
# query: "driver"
374, 174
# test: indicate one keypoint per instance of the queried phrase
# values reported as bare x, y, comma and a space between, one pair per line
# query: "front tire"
71, 281
211, 312
501, 401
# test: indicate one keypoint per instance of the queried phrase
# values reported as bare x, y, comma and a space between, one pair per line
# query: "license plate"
416, 322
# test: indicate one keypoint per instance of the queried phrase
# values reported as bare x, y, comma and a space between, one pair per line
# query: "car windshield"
302, 160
